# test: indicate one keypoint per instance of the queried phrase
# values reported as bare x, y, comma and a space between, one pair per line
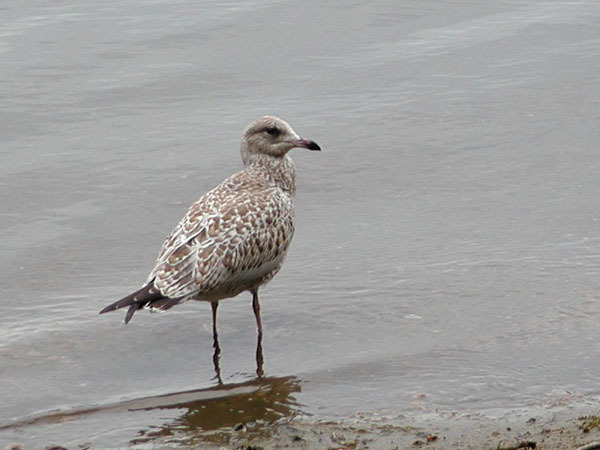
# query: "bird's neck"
278, 170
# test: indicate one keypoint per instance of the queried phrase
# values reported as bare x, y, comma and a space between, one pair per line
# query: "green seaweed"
589, 423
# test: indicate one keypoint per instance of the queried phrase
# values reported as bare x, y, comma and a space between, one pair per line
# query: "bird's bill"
306, 143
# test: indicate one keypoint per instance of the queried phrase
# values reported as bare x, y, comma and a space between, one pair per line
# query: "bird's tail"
137, 300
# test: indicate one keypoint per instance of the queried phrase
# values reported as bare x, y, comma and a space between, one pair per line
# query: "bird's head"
270, 135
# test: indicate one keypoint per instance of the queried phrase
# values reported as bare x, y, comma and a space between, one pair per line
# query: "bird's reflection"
217, 356
212, 414
209, 414
259, 356
203, 415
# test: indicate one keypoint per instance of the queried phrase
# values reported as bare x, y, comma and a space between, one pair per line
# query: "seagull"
236, 236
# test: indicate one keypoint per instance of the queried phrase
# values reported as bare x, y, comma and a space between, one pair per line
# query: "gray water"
447, 250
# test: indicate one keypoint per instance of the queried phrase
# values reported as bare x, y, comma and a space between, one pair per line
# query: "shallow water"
447, 251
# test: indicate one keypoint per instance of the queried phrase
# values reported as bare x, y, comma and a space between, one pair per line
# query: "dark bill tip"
305, 143
312, 145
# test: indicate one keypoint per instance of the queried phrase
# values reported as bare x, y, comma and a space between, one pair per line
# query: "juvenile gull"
236, 236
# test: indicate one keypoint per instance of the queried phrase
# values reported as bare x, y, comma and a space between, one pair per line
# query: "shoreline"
571, 424
570, 427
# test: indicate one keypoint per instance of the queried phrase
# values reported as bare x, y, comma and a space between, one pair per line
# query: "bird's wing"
263, 234
224, 238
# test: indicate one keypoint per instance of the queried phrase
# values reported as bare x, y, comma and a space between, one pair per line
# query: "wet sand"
572, 424
552, 430
563, 431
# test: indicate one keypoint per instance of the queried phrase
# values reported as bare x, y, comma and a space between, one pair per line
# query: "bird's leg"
256, 308
217, 352
259, 352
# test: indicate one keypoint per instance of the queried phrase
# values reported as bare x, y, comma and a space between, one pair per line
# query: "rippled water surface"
447, 251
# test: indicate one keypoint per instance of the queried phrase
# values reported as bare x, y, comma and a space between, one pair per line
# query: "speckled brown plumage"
236, 236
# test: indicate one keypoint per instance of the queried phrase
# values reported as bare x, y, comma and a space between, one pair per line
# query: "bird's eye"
272, 131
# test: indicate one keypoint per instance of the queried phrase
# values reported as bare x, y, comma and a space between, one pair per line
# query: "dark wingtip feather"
125, 301
109, 308
132, 309
135, 300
